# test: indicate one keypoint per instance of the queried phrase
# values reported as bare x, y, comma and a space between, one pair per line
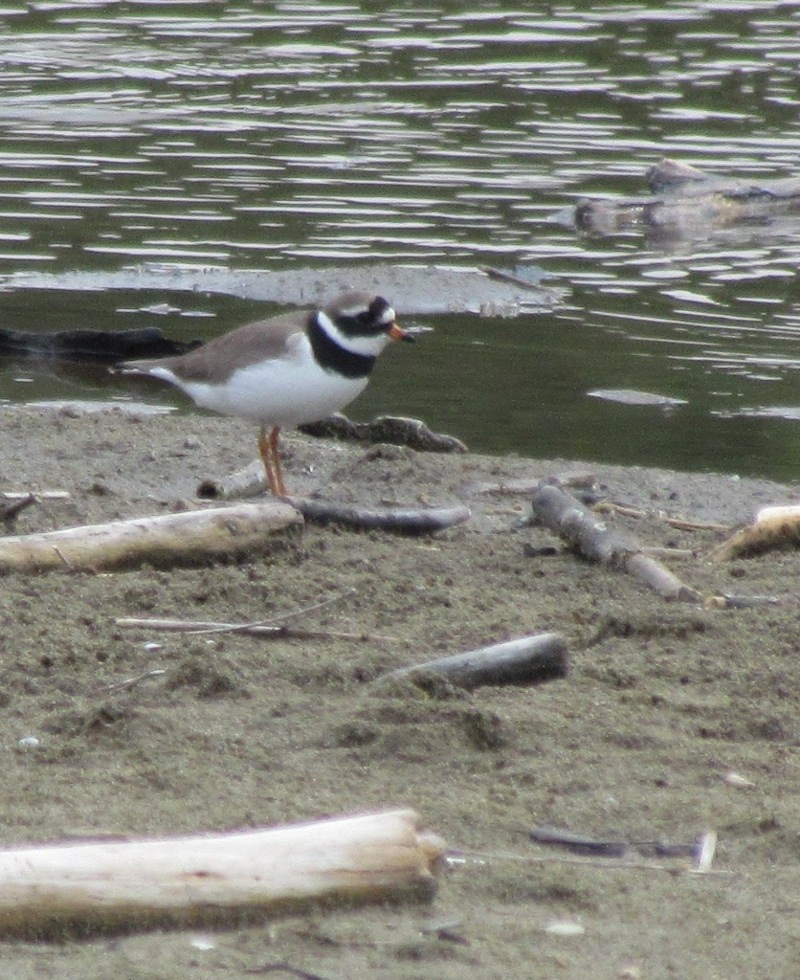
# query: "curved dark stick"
405, 520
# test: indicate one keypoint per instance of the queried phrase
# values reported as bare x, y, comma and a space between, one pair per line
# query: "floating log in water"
685, 200
528, 660
394, 429
104, 886
590, 537
93, 345
165, 541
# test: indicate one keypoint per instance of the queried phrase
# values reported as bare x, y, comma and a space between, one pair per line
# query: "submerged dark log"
685, 200
394, 429
93, 345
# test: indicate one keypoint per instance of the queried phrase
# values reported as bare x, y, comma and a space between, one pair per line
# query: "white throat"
368, 346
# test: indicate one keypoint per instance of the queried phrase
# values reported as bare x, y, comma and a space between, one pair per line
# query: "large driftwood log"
591, 537
685, 200
181, 880
528, 660
166, 540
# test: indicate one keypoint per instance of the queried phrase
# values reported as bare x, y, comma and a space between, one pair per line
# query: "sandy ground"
663, 702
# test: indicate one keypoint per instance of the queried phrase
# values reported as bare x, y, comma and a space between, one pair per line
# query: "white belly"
283, 393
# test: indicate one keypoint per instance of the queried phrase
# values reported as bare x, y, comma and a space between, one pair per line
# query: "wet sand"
662, 703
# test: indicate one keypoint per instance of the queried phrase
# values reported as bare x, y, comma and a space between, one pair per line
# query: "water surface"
246, 136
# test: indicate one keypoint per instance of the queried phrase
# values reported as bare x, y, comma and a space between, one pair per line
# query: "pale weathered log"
181, 880
773, 527
592, 538
528, 660
166, 540
645, 567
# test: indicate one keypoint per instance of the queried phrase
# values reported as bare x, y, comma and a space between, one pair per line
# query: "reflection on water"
245, 135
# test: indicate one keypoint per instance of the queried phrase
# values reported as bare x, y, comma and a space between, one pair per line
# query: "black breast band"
333, 357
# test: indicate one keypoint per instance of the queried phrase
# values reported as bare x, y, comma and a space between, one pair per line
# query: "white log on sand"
182, 880
165, 540
773, 528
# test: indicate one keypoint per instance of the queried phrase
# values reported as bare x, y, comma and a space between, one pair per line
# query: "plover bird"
286, 371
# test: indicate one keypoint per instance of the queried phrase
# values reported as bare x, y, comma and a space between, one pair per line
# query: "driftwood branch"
773, 528
181, 880
591, 538
403, 520
166, 540
529, 660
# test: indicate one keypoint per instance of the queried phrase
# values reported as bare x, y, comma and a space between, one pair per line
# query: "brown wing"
215, 361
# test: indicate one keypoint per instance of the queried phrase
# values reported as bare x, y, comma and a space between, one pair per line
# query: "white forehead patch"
352, 312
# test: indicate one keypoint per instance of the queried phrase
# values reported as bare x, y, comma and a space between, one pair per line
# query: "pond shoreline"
662, 703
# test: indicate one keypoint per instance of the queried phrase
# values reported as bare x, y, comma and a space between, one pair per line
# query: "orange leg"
276, 460
268, 449
264, 450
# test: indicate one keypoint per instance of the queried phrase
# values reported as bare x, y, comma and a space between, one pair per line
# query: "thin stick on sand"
277, 632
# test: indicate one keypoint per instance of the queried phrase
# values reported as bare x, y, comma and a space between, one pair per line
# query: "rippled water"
274, 135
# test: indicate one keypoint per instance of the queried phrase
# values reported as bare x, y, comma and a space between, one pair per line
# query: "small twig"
708, 847
39, 495
726, 601
8, 511
293, 614
578, 843
501, 276
293, 971
63, 558
679, 523
273, 621
527, 484
454, 858
132, 681
246, 629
